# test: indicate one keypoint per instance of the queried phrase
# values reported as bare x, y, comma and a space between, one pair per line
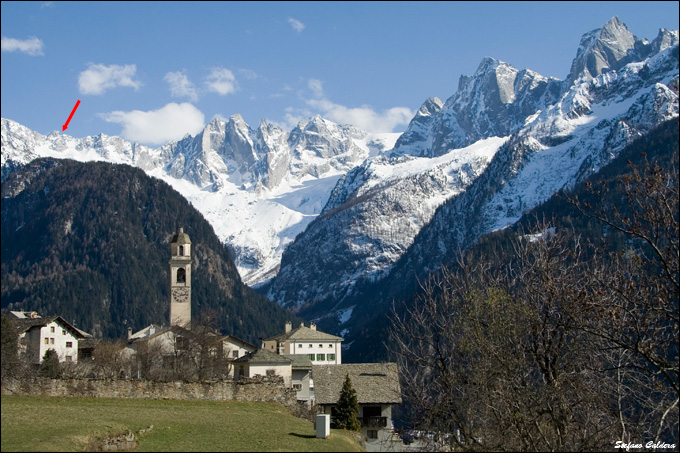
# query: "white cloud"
296, 24
221, 81
181, 86
97, 78
156, 127
316, 86
31, 46
249, 74
364, 117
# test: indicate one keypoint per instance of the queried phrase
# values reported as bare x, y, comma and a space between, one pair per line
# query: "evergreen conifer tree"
347, 408
50, 366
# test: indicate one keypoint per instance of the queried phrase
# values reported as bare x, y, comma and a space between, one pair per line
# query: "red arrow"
65, 126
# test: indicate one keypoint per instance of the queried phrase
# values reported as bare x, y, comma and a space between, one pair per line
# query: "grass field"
69, 424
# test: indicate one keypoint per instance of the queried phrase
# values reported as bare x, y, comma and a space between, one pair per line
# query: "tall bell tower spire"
180, 280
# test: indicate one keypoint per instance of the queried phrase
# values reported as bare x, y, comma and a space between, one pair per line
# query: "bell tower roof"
181, 237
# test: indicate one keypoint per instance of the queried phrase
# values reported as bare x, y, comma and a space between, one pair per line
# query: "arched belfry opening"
181, 275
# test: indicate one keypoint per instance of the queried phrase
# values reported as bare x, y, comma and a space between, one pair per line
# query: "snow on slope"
255, 215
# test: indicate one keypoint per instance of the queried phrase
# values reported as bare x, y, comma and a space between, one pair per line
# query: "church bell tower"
180, 280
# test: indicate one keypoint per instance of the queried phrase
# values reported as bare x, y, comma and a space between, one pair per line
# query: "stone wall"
255, 389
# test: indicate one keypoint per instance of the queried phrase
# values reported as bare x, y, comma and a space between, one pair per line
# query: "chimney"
129, 332
312, 326
289, 326
181, 229
302, 324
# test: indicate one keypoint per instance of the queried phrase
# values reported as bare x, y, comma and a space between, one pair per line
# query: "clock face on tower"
180, 294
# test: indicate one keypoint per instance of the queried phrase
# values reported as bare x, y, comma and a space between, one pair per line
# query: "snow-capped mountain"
351, 209
258, 188
505, 142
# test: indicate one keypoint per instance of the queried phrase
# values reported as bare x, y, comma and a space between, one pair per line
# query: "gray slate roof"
244, 344
263, 356
300, 361
24, 324
373, 382
181, 237
304, 333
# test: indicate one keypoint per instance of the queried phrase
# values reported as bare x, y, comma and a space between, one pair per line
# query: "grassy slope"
68, 424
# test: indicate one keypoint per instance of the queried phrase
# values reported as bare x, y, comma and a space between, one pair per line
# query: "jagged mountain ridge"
577, 126
270, 183
376, 211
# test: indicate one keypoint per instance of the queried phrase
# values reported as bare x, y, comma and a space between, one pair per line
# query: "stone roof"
300, 361
304, 333
146, 332
181, 237
24, 324
373, 382
263, 356
236, 340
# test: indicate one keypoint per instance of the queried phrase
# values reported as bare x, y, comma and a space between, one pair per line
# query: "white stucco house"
264, 363
39, 334
321, 348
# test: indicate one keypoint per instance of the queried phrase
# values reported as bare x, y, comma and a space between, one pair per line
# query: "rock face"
383, 223
274, 181
351, 210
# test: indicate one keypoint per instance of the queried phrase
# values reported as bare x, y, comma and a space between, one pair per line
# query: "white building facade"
37, 335
321, 348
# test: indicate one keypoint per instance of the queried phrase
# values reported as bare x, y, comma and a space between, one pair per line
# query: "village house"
263, 363
38, 334
234, 348
301, 377
321, 348
377, 387
308, 360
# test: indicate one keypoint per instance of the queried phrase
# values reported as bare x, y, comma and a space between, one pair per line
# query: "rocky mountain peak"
604, 49
429, 107
664, 40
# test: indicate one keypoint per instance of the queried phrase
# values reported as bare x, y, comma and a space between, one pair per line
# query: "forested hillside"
659, 146
90, 242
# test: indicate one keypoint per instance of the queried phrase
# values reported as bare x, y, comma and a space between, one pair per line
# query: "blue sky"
153, 71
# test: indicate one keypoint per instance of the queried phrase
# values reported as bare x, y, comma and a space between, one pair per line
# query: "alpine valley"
322, 217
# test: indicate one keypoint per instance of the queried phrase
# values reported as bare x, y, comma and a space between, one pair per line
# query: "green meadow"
71, 424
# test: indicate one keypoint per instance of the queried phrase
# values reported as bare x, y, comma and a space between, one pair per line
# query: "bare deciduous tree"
563, 346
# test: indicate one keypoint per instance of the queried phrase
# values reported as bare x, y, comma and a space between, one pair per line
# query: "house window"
372, 433
52, 329
311, 356
234, 354
69, 344
330, 345
297, 387
321, 346
271, 372
63, 331
321, 357
47, 341
51, 340
331, 357
310, 345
